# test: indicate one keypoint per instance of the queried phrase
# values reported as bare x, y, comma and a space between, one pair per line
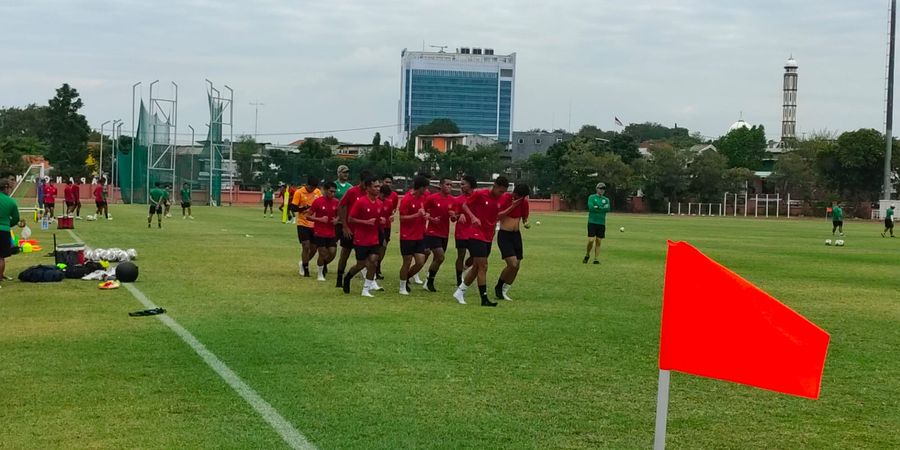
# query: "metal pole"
746, 202
767, 205
789, 205
756, 205
100, 170
670, 208
192, 157
174, 139
231, 144
889, 120
133, 138
735, 204
662, 410
150, 144
115, 171
777, 204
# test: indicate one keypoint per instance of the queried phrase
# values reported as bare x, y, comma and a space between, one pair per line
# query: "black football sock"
458, 277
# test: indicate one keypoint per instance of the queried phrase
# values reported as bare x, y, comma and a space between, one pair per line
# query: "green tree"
67, 133
744, 147
795, 173
315, 149
707, 172
738, 179
376, 141
653, 131
582, 169
30, 121
330, 140
667, 174
436, 126
853, 165
245, 150
13, 148
625, 146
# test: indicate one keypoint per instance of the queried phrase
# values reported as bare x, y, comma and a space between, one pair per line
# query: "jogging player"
76, 193
323, 214
157, 199
598, 206
49, 200
167, 202
391, 200
186, 201
346, 229
412, 231
69, 196
100, 199
268, 200
463, 229
509, 238
482, 209
302, 200
439, 208
365, 216
888, 221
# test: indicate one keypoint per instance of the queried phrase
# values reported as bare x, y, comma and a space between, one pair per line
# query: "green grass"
571, 363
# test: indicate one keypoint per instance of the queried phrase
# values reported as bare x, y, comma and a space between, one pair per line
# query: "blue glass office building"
472, 87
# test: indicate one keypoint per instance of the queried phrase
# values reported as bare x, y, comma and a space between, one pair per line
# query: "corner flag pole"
662, 410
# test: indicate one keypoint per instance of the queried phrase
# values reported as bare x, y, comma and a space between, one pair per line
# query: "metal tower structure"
163, 129
789, 111
221, 142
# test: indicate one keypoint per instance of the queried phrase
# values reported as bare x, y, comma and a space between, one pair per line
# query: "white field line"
285, 429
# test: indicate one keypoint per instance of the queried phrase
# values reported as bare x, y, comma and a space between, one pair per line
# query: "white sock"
403, 285
321, 268
506, 287
463, 286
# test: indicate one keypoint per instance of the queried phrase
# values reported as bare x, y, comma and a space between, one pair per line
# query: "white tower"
789, 116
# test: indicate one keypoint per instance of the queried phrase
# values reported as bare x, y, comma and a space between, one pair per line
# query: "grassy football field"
570, 363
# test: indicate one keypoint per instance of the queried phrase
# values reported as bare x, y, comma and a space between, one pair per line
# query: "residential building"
446, 142
527, 143
473, 87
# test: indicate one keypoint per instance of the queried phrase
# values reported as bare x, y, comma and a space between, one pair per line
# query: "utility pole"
889, 120
100, 167
256, 104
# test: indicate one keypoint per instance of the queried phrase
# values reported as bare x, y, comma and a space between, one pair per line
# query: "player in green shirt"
157, 198
9, 217
186, 201
343, 181
889, 221
268, 200
837, 218
598, 206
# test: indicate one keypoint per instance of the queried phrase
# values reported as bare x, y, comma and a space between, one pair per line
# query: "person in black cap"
598, 206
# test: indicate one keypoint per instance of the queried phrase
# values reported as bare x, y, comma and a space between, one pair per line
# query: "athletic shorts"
387, 236
70, 204
5, 244
462, 244
596, 230
408, 248
383, 237
100, 204
433, 242
479, 249
268, 203
510, 244
346, 242
185, 204
304, 234
364, 251
327, 242
156, 209
888, 223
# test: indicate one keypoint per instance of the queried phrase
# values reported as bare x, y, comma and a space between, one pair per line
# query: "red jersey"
412, 229
49, 193
438, 206
391, 203
463, 229
98, 193
485, 207
76, 193
324, 207
364, 209
520, 211
68, 195
387, 210
349, 198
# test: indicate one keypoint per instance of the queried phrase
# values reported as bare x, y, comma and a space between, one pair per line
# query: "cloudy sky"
327, 65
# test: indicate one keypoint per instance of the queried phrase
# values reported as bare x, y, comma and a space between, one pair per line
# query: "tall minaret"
789, 119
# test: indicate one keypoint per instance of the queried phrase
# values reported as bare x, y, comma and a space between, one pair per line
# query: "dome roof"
791, 62
739, 124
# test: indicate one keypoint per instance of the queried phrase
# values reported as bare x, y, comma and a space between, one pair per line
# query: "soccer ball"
839, 242
91, 217
622, 229
538, 222
827, 241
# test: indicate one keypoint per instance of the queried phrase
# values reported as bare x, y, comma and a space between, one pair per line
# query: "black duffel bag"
42, 274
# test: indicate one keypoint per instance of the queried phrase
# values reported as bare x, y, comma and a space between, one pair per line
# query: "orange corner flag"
716, 324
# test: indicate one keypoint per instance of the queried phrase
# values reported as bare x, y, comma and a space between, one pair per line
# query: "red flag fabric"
716, 324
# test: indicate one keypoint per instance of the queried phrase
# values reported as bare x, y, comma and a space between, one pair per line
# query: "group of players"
361, 217
47, 192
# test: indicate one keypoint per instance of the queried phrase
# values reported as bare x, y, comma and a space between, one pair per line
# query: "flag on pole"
619, 122
716, 324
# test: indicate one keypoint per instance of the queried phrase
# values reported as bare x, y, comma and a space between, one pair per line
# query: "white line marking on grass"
288, 432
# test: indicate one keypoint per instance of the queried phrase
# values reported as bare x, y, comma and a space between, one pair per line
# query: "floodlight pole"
192, 155
231, 145
133, 138
257, 104
115, 172
100, 170
150, 144
889, 110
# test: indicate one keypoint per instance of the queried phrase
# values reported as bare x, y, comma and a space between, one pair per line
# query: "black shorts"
408, 248
346, 242
462, 244
596, 230
156, 209
510, 244
433, 242
70, 204
268, 203
888, 223
5, 244
479, 249
185, 204
364, 251
327, 242
100, 204
386, 236
304, 234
